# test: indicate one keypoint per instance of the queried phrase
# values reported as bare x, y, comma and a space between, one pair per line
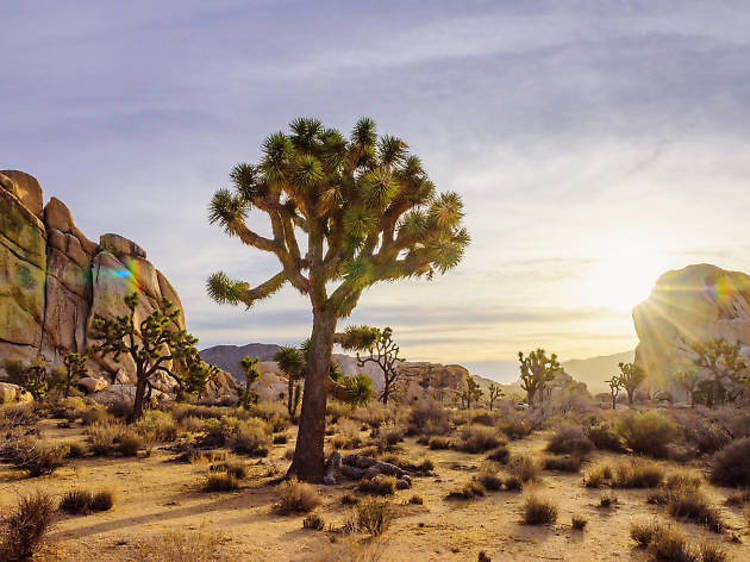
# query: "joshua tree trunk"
308, 463
140, 392
290, 398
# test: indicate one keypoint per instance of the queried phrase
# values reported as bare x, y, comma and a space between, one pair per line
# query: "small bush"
664, 543
643, 533
730, 466
297, 497
221, 482
438, 442
694, 506
36, 459
380, 485
472, 489
634, 474
428, 417
129, 444
374, 517
76, 450
236, 469
512, 484
525, 468
389, 435
23, 530
568, 463
570, 440
539, 511
712, 552
578, 522
191, 424
604, 438
280, 439
104, 436
416, 500
501, 455
600, 475
251, 437
156, 425
76, 502
489, 478
349, 499
478, 439
607, 500
314, 522
347, 435
648, 433
103, 500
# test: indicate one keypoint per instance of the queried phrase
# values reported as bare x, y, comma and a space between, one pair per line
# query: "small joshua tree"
631, 376
34, 377
494, 392
724, 364
156, 345
382, 350
537, 370
472, 393
614, 389
688, 380
291, 364
246, 396
345, 214
75, 367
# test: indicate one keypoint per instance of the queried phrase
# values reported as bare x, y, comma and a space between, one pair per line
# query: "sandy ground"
159, 501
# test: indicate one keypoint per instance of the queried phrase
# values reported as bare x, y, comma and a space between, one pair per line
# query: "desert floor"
160, 509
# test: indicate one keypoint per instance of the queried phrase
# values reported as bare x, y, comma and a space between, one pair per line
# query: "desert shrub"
389, 435
220, 482
512, 484
181, 410
478, 439
570, 440
103, 500
428, 417
712, 552
297, 497
347, 434
416, 500
539, 511
15, 415
274, 413
519, 424
94, 413
71, 408
338, 409
380, 485
439, 442
280, 439
501, 455
636, 473
567, 463
683, 479
484, 417
22, 530
604, 438
349, 499
578, 522
129, 444
470, 490
694, 506
121, 409
236, 469
251, 437
489, 478
730, 466
76, 502
699, 429
36, 459
643, 533
373, 414
374, 517
182, 546
598, 476
314, 522
663, 542
76, 449
525, 468
608, 499
191, 424
648, 433
156, 425
103, 437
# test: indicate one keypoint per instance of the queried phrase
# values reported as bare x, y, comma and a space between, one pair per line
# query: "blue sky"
596, 145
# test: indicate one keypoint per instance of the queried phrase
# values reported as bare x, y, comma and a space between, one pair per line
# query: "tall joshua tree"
615, 385
292, 363
245, 394
537, 370
75, 368
724, 363
631, 377
380, 349
155, 345
494, 392
344, 214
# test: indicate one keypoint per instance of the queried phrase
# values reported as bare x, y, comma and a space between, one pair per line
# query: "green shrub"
156, 425
648, 433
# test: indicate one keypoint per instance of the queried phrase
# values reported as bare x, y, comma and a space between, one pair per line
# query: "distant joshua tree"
615, 385
724, 364
292, 364
364, 211
245, 394
631, 377
472, 393
155, 345
494, 392
537, 371
688, 381
76, 367
382, 350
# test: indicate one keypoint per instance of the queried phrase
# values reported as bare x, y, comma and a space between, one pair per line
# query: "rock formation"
697, 303
54, 281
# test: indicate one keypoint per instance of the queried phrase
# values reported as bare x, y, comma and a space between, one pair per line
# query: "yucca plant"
291, 363
364, 211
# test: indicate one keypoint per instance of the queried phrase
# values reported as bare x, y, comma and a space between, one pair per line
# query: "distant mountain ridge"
595, 370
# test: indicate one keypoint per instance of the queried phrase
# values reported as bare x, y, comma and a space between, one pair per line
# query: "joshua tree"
537, 370
75, 368
356, 390
471, 393
156, 345
382, 351
364, 211
724, 363
246, 396
688, 381
615, 384
631, 376
33, 377
494, 392
291, 363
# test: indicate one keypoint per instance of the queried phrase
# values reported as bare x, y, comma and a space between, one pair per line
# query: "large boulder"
25, 187
10, 393
694, 304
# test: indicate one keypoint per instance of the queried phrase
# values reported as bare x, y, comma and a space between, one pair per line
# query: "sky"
596, 145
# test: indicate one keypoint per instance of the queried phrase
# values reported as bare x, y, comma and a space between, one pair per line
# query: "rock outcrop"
54, 281
697, 303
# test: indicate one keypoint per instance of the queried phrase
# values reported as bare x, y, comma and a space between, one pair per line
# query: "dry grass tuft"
297, 497
314, 522
478, 439
380, 485
570, 440
374, 517
539, 511
220, 482
578, 522
526, 468
567, 463
472, 489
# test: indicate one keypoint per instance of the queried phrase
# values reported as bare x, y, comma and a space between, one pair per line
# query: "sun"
624, 277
